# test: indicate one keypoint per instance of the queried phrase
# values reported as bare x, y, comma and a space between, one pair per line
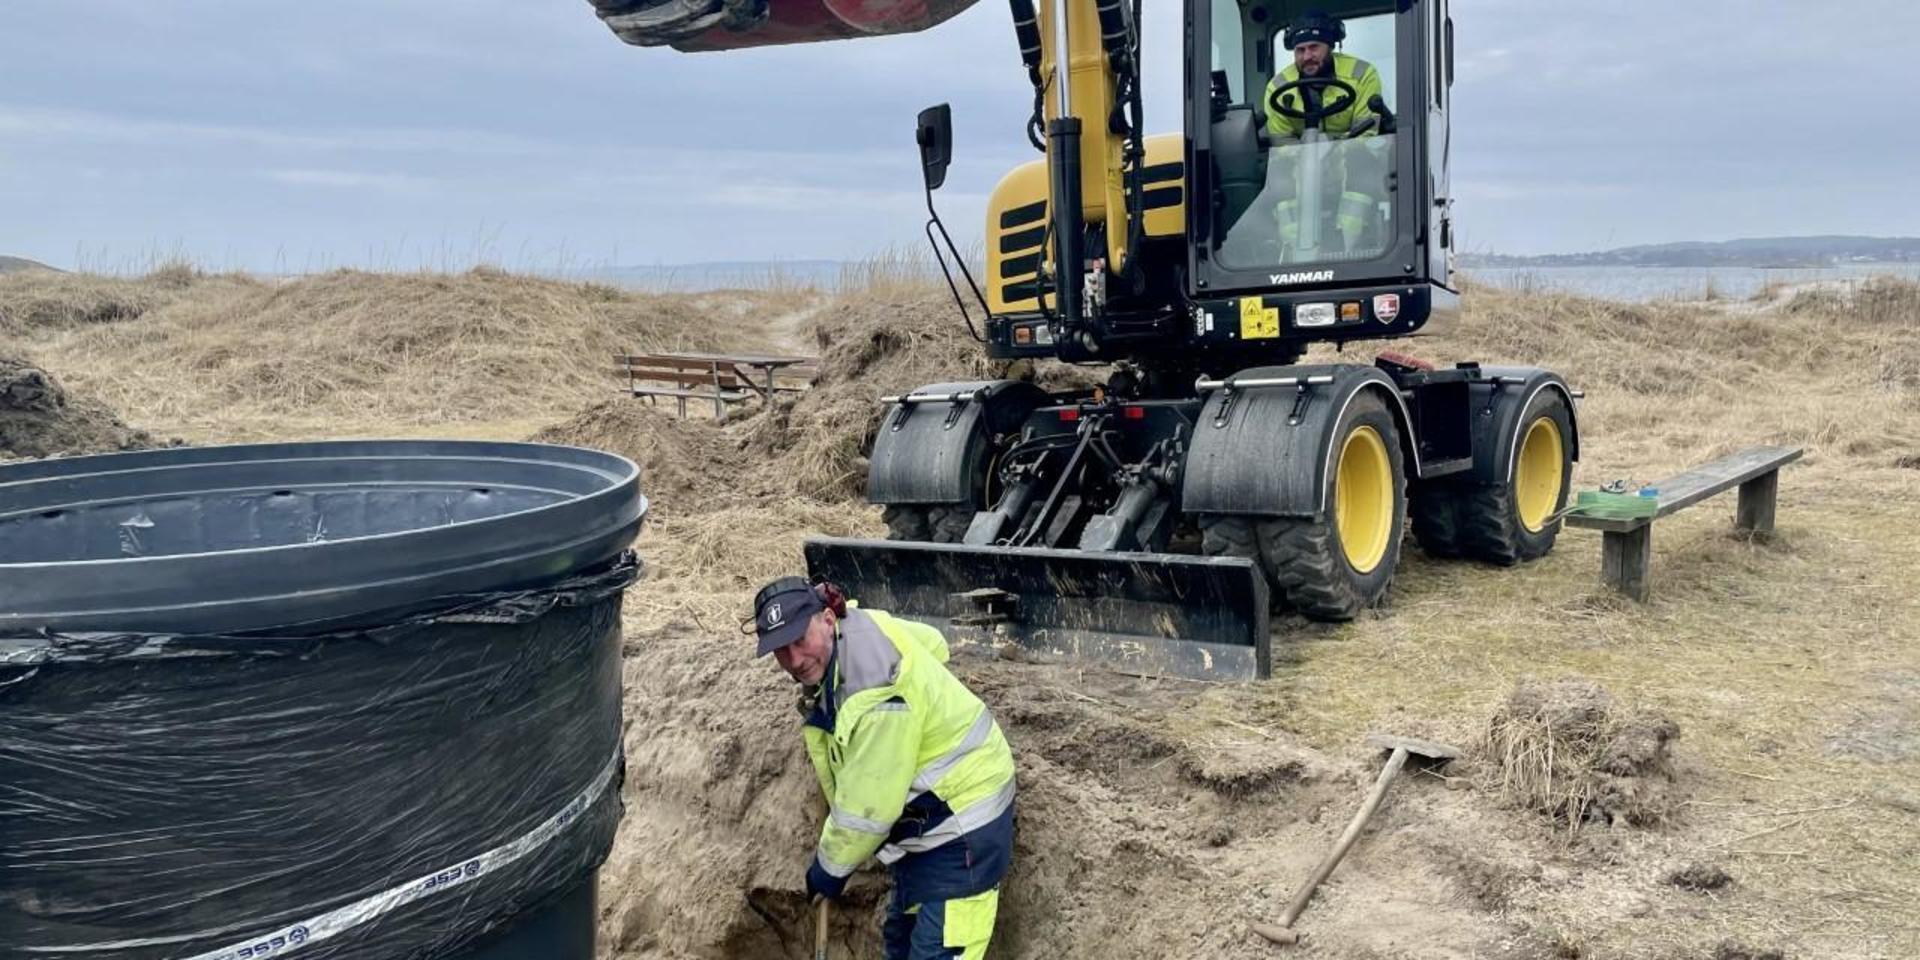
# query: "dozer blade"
1152, 614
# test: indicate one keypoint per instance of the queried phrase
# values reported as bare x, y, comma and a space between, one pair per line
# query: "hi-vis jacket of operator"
1360, 74
914, 767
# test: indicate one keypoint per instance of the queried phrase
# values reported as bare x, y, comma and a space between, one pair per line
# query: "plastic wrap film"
403, 790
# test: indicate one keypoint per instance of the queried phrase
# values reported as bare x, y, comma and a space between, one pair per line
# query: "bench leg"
683, 407
1624, 560
1756, 504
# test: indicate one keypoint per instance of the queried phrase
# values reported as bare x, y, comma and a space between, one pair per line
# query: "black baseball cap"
781, 611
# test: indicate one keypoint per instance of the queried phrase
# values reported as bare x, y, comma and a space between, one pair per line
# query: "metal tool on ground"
822, 919
1403, 748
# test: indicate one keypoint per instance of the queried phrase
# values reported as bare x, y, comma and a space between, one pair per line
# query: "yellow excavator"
1152, 524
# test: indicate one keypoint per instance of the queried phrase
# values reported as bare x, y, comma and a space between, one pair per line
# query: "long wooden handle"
1339, 851
821, 920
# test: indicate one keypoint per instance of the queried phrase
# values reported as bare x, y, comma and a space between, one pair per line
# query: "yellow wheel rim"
1536, 474
1363, 499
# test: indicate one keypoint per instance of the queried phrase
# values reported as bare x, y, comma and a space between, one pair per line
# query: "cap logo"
774, 618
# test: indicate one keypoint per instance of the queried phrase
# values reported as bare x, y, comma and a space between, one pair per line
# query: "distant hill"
10, 264
1753, 252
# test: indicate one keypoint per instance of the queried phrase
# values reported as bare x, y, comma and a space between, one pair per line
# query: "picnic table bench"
721, 378
1626, 549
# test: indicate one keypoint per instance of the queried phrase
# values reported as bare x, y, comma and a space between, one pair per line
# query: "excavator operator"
1318, 77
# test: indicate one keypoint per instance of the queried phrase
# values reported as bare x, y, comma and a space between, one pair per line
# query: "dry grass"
355, 352
1567, 750
1789, 662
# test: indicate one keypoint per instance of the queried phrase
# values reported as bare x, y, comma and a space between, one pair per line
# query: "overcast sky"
281, 136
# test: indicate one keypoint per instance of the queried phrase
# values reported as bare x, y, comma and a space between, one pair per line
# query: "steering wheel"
1309, 117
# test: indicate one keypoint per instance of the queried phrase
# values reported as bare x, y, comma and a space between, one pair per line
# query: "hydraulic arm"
1083, 59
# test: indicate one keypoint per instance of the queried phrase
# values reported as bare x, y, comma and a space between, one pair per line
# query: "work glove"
820, 883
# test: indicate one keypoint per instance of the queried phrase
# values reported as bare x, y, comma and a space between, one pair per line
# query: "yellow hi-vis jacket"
1361, 74
913, 765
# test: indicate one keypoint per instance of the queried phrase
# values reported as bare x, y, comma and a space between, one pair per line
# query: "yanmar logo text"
1303, 276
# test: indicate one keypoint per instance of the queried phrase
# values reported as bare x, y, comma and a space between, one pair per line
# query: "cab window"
1304, 154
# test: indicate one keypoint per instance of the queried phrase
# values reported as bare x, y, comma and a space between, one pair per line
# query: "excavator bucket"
698, 26
1151, 614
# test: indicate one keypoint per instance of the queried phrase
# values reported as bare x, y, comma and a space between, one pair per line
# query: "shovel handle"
822, 916
1339, 851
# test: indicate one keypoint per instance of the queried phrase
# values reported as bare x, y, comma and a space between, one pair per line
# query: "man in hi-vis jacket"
914, 768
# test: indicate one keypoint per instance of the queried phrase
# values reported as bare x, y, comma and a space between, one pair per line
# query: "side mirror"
936, 144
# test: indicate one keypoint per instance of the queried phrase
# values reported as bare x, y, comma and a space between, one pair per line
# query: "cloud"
349, 179
1520, 190
227, 128
46, 125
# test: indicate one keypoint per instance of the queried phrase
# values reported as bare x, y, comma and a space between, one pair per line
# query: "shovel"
821, 920
1402, 747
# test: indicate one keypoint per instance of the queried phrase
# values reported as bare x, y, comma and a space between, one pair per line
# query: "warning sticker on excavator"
1257, 320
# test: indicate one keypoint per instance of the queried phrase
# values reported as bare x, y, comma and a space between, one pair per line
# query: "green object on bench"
1615, 506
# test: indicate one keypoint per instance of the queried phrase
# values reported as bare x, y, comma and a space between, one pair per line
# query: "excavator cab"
1328, 181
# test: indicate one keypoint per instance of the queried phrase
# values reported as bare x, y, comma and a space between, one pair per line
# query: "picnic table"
767, 364
722, 378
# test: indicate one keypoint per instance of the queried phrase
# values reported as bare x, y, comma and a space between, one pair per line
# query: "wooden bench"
1626, 549
686, 378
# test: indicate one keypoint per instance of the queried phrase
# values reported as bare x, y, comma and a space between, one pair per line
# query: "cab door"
1439, 141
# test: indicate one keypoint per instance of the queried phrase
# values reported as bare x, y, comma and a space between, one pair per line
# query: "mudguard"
1498, 402
927, 451
1269, 455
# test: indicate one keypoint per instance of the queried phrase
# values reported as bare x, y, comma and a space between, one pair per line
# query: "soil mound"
1566, 749
869, 348
687, 466
40, 418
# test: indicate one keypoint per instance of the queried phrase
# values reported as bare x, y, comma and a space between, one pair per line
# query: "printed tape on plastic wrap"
289, 939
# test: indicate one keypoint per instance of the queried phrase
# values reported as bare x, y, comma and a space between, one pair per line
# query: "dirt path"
790, 332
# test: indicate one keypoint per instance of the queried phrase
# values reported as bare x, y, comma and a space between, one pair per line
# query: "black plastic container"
205, 539
330, 700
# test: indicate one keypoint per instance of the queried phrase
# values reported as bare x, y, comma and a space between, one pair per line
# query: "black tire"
1227, 535
943, 522
1491, 525
1306, 565
905, 522
1224, 535
949, 523
1433, 510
